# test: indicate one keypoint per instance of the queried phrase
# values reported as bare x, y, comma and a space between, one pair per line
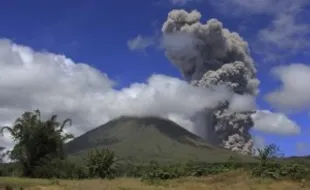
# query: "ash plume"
208, 55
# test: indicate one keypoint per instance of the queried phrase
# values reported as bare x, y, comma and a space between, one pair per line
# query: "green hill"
141, 139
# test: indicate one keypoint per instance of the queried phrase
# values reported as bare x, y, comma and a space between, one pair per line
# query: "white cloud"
242, 103
245, 6
293, 95
240, 7
285, 32
140, 42
5, 141
56, 85
182, 121
277, 123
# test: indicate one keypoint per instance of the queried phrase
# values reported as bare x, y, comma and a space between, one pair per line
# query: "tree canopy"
37, 140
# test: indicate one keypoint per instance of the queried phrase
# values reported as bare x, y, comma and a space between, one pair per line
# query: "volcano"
142, 139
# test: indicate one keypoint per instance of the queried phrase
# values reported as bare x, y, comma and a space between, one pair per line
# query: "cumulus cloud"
56, 84
240, 7
285, 32
140, 42
276, 123
284, 35
293, 94
242, 103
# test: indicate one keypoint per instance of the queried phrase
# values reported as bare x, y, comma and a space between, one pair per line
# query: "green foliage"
130, 170
36, 139
39, 153
275, 170
101, 163
10, 169
270, 168
59, 169
295, 171
154, 172
2, 154
269, 151
267, 170
150, 138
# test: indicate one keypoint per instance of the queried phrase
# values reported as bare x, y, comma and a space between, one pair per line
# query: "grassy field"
236, 180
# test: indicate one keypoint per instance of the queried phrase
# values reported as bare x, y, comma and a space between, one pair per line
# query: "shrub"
130, 170
294, 171
267, 169
154, 172
57, 168
274, 170
101, 163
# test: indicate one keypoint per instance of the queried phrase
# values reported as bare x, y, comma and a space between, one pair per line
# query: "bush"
275, 170
233, 163
57, 168
268, 169
101, 163
130, 170
10, 169
294, 171
203, 169
154, 172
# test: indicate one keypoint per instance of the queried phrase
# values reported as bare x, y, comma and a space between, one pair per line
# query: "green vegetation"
37, 141
39, 153
2, 154
101, 163
141, 140
271, 168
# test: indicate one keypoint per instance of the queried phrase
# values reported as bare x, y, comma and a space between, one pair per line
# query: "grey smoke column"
208, 54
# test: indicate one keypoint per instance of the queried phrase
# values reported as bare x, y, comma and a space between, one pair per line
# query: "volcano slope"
142, 139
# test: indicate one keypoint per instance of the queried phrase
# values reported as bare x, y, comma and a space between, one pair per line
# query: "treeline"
38, 153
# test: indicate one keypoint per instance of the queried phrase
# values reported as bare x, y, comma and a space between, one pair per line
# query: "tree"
101, 163
267, 167
36, 140
2, 154
269, 151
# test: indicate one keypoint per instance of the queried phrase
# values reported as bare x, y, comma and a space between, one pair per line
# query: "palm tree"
36, 139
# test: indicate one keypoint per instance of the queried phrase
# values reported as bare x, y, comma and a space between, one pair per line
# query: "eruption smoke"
208, 55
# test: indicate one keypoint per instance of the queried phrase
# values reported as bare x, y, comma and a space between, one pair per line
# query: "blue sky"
97, 32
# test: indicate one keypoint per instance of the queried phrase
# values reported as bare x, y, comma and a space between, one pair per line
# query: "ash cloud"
211, 55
